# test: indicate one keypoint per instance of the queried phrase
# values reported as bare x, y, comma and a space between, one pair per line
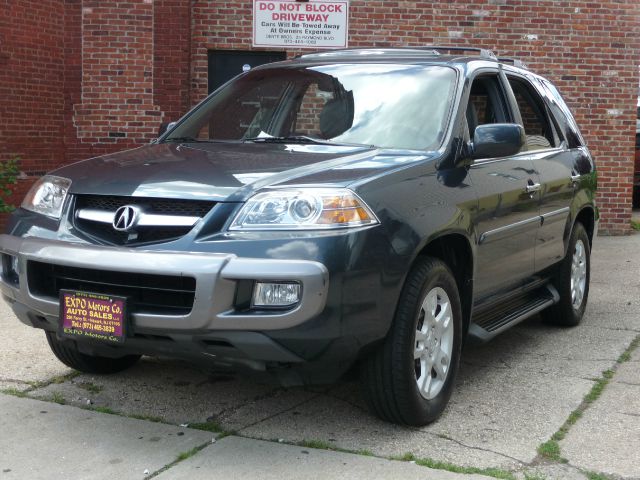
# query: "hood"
225, 171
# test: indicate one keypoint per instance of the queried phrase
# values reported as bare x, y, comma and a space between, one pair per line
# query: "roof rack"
484, 53
513, 61
369, 51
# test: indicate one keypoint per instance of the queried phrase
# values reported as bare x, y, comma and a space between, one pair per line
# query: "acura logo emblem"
126, 218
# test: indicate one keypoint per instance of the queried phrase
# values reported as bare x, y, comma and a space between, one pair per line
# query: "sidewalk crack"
292, 407
471, 447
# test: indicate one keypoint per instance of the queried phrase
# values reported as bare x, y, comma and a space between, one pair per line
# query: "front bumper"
216, 276
213, 332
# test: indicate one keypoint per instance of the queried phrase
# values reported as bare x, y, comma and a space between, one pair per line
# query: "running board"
492, 321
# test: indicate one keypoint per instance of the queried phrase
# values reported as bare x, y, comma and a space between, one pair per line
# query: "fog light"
10, 268
276, 294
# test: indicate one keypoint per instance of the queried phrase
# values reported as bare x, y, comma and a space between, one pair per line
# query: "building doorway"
226, 64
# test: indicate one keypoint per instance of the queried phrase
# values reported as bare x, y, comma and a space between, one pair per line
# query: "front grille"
105, 232
147, 293
191, 208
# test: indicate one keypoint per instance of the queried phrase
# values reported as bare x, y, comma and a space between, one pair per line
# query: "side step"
490, 322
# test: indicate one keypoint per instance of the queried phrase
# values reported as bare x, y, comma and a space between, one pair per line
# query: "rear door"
507, 219
553, 162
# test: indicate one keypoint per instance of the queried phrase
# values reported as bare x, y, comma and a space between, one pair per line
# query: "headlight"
304, 208
47, 196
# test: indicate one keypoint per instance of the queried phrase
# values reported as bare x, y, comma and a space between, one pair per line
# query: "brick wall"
172, 57
31, 82
88, 77
117, 104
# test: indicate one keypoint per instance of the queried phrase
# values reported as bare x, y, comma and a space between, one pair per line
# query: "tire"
67, 353
572, 281
391, 375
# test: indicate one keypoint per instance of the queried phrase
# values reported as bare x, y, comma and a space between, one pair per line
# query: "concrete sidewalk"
45, 441
526, 405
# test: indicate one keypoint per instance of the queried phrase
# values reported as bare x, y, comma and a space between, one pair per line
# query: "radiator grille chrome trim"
145, 219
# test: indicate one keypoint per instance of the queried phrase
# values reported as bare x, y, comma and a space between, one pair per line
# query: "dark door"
226, 64
507, 218
554, 163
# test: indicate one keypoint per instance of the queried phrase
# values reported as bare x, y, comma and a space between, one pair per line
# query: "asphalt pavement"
537, 402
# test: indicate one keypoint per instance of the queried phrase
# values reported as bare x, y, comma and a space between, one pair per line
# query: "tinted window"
486, 103
562, 114
391, 106
537, 126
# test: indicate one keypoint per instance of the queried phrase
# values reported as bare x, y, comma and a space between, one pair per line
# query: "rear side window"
562, 114
538, 127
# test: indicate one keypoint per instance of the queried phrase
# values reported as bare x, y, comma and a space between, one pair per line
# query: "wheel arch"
454, 249
587, 217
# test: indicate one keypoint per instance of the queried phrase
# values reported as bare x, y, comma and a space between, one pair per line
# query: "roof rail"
369, 50
484, 53
513, 61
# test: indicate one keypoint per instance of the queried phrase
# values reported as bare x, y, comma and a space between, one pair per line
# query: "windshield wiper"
289, 139
181, 140
304, 139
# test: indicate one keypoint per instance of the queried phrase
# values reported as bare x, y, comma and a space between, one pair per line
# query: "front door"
508, 217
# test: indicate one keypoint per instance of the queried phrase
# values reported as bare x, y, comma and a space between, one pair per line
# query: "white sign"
293, 24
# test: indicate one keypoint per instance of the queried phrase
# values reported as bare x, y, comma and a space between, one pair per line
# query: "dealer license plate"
92, 316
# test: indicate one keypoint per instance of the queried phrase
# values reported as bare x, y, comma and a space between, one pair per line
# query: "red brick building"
80, 78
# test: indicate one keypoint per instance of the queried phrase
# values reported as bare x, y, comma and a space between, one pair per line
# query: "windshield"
388, 106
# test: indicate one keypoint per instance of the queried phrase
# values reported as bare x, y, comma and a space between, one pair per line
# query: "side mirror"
495, 140
164, 127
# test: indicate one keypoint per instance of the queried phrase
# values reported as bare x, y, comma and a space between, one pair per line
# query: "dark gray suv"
370, 208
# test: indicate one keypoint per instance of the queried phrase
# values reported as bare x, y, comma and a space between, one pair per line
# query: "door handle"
575, 180
532, 187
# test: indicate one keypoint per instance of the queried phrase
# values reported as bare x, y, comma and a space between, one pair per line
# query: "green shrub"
8, 176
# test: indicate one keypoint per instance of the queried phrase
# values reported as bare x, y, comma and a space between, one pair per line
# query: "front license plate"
92, 316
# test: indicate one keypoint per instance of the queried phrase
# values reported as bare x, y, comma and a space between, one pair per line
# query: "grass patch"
58, 398
626, 355
550, 450
149, 418
322, 445
490, 472
534, 476
407, 457
635, 224
188, 454
319, 444
564, 429
450, 467
14, 391
57, 380
598, 387
181, 456
207, 427
89, 387
366, 453
596, 476
63, 378
106, 410
137, 416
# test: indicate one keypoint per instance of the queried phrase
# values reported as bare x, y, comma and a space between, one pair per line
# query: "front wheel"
409, 379
68, 354
572, 281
